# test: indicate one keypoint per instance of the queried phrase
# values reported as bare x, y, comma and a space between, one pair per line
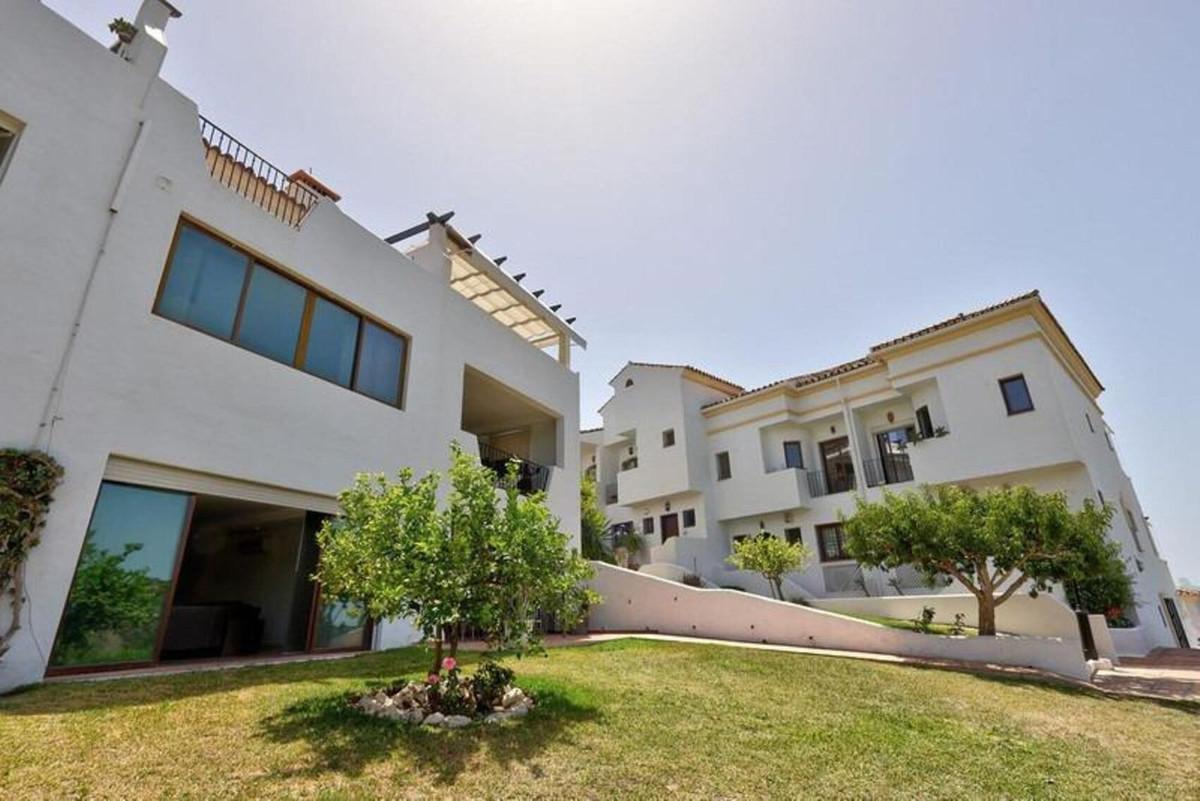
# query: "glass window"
332, 338
9, 129
204, 283
668, 437
380, 364
924, 422
724, 470
832, 542
340, 625
271, 318
116, 602
792, 535
792, 456
1016, 394
647, 525
689, 518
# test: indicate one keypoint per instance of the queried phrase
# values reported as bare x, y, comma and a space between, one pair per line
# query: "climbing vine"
27, 483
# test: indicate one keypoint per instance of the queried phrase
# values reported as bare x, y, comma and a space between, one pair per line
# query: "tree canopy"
995, 543
486, 562
771, 557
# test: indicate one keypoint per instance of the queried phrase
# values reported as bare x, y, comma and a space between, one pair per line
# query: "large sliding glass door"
118, 601
166, 575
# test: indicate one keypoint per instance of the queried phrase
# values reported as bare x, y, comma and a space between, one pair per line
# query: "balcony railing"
894, 468
821, 484
629, 464
240, 169
531, 476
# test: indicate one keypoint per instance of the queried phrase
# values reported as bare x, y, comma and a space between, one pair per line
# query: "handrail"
531, 476
237, 167
894, 468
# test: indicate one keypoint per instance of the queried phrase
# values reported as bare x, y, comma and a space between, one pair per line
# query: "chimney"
148, 48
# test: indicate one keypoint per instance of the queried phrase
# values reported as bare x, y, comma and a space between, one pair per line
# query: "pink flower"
449, 663
432, 678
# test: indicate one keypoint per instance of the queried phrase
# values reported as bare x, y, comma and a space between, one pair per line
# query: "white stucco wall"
146, 387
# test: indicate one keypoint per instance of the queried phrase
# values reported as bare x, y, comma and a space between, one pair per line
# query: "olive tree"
771, 557
995, 543
484, 561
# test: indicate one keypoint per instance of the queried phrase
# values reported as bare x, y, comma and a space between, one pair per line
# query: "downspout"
860, 474
44, 436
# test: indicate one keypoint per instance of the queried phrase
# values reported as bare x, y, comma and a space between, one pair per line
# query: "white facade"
108, 160
937, 390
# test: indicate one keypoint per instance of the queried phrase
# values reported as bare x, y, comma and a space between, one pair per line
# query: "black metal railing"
239, 168
629, 464
531, 476
821, 484
893, 468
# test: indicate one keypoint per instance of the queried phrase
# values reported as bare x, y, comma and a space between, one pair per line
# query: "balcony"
820, 483
288, 198
893, 468
531, 476
764, 493
610, 494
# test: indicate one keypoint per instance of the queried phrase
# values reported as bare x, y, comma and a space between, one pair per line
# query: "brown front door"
670, 526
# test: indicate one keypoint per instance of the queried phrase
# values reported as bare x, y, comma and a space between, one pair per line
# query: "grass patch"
625, 719
909, 625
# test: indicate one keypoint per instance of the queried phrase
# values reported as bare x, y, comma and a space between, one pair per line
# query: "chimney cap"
306, 178
175, 12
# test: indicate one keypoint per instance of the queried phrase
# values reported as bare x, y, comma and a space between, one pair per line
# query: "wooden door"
669, 526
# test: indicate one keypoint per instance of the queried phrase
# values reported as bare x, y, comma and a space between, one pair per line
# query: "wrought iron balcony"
893, 468
821, 484
531, 476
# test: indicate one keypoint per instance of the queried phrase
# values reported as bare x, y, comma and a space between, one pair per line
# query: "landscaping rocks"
411, 704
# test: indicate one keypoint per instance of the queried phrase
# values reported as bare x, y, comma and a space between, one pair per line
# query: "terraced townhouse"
212, 348
994, 397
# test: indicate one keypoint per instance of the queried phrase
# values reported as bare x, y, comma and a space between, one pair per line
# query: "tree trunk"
436, 670
987, 615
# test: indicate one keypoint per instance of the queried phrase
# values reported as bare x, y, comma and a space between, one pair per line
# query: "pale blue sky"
763, 189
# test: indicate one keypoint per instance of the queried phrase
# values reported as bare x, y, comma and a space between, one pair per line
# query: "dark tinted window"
332, 338
647, 525
792, 535
271, 317
204, 283
689, 518
723, 468
832, 542
380, 364
668, 437
924, 422
792, 455
1016, 394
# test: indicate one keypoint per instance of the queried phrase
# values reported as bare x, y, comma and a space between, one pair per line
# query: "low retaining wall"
638, 602
1129, 642
1044, 616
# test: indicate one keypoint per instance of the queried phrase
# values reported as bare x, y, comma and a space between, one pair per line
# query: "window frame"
686, 515
788, 535
668, 434
648, 525
312, 292
16, 128
1025, 383
728, 465
822, 530
799, 451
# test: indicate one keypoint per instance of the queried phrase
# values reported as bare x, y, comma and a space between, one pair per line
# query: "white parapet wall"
1044, 616
638, 602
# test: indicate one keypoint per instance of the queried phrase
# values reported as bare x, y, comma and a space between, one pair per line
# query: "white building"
998, 396
212, 349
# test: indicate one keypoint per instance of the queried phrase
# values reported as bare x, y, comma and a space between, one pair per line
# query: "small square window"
832, 542
1016, 394
647, 525
924, 423
669, 438
689, 518
792, 535
724, 470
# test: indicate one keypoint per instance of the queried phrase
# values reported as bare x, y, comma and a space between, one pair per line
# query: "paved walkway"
1172, 673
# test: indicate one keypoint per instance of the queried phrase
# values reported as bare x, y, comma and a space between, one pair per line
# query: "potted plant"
123, 28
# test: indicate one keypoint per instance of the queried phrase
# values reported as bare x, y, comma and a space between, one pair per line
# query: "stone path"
1172, 673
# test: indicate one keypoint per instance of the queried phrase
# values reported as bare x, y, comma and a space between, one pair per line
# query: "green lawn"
909, 625
625, 719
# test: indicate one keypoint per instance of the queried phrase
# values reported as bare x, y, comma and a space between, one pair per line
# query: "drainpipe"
860, 474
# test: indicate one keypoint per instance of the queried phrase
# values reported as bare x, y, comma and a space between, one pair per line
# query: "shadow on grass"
345, 741
375, 668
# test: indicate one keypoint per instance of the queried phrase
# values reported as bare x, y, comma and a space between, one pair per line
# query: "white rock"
513, 697
496, 717
435, 719
518, 710
414, 715
456, 721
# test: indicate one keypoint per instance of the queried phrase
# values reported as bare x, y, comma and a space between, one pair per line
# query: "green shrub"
924, 623
27, 483
489, 683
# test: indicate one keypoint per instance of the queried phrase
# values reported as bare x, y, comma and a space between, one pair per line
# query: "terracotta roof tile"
955, 320
736, 388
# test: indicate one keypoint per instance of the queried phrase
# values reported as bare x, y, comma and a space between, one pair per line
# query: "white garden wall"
1043, 616
638, 602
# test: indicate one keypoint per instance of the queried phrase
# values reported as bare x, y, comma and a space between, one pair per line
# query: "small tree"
592, 522
771, 557
994, 543
486, 561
